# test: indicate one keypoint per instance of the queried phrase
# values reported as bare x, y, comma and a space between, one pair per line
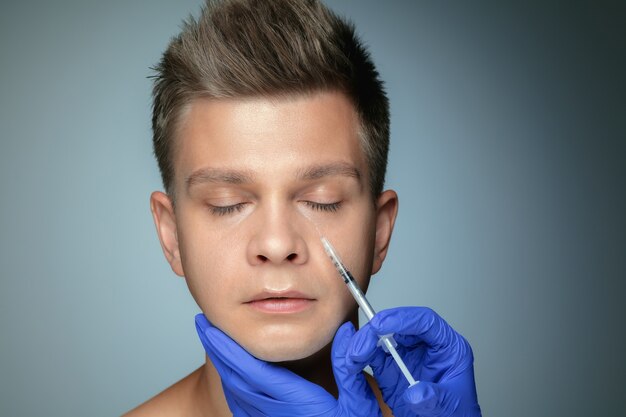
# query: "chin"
286, 350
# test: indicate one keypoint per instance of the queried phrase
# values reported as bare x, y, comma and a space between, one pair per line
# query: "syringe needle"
387, 341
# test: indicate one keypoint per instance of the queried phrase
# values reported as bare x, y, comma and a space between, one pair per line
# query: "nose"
277, 239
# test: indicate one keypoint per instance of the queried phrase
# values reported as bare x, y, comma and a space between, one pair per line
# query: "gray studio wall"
508, 153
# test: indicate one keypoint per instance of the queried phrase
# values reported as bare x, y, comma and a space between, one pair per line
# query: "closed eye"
331, 207
225, 210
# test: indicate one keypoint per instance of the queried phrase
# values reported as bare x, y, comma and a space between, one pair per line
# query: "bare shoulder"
177, 400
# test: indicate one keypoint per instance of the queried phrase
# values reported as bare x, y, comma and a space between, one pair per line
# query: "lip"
281, 302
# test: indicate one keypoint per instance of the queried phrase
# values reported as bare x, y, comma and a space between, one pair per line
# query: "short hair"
248, 48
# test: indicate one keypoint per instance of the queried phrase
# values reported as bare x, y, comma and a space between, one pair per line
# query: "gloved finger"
431, 400
363, 350
354, 391
215, 351
233, 402
251, 407
256, 375
422, 322
232, 360
233, 383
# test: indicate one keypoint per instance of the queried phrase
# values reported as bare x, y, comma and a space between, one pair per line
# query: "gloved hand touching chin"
435, 354
257, 388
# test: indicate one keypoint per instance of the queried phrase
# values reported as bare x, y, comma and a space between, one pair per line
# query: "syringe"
387, 341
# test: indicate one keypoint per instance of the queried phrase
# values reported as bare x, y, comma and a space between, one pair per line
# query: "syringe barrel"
360, 297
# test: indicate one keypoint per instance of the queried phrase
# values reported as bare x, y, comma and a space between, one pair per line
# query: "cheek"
354, 242
209, 261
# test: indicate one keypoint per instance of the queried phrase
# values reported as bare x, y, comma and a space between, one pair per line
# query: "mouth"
281, 302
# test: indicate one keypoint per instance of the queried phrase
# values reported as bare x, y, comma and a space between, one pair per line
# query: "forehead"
262, 135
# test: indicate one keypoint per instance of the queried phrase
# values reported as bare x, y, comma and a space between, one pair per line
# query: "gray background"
508, 153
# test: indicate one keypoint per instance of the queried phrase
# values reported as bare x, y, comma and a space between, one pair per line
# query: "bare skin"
257, 181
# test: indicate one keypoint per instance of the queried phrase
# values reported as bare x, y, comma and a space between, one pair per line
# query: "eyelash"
331, 207
225, 210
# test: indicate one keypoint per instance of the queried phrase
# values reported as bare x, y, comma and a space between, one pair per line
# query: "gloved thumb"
429, 399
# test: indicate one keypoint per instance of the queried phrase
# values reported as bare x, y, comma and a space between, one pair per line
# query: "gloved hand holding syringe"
387, 342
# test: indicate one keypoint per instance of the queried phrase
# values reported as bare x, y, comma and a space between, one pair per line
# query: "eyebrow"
216, 175
316, 172
229, 176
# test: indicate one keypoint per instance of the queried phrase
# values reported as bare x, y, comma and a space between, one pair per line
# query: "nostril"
291, 256
262, 258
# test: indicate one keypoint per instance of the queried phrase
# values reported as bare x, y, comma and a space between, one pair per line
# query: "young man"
271, 128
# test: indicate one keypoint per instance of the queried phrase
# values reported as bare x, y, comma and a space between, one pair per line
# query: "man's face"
257, 181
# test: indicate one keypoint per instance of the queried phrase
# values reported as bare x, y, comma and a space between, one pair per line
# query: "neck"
209, 396
316, 368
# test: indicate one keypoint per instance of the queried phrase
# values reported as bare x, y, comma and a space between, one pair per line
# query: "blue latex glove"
436, 355
256, 388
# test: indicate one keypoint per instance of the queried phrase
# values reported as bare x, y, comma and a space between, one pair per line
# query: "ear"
165, 222
386, 212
